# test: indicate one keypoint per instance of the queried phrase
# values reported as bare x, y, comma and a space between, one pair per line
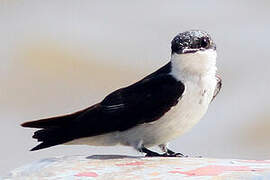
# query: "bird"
151, 112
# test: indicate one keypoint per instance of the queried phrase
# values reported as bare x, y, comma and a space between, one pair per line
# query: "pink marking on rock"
176, 172
131, 164
87, 174
212, 170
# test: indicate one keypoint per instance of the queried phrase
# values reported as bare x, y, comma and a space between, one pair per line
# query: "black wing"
218, 87
142, 102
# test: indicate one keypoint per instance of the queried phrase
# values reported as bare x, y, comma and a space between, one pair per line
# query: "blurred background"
59, 56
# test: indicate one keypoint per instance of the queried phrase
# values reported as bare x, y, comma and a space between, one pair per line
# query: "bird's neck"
194, 66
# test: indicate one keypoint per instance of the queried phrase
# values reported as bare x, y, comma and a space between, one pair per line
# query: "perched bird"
152, 111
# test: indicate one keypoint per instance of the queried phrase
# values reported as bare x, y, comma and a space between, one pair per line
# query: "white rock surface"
128, 167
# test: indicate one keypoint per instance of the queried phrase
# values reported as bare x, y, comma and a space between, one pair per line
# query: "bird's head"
194, 52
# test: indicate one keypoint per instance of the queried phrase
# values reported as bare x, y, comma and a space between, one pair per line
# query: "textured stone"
127, 167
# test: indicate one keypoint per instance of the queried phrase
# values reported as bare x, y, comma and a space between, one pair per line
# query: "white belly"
181, 118
178, 120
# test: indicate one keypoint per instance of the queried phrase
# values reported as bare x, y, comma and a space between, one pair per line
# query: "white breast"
181, 118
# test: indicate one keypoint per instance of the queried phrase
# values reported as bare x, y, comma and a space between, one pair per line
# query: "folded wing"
143, 102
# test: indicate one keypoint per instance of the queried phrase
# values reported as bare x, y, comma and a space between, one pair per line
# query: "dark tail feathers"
51, 137
52, 122
59, 130
54, 131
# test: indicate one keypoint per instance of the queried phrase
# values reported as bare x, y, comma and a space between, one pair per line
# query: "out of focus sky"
59, 56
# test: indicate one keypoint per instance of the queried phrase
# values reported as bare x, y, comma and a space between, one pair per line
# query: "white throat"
194, 65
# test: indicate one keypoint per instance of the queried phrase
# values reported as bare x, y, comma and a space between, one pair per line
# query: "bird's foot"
149, 153
153, 154
167, 154
170, 153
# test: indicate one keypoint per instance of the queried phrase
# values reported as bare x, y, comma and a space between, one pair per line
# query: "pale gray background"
59, 56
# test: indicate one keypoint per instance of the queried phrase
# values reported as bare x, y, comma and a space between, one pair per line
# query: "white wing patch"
113, 107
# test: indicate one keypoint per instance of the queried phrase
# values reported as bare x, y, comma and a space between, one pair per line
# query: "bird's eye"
205, 43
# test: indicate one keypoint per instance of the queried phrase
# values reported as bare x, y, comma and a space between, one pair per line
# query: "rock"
128, 167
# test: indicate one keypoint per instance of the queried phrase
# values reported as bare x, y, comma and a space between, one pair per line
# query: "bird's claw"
153, 154
173, 155
164, 155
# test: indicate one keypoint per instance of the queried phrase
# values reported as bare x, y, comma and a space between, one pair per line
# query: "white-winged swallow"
150, 112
